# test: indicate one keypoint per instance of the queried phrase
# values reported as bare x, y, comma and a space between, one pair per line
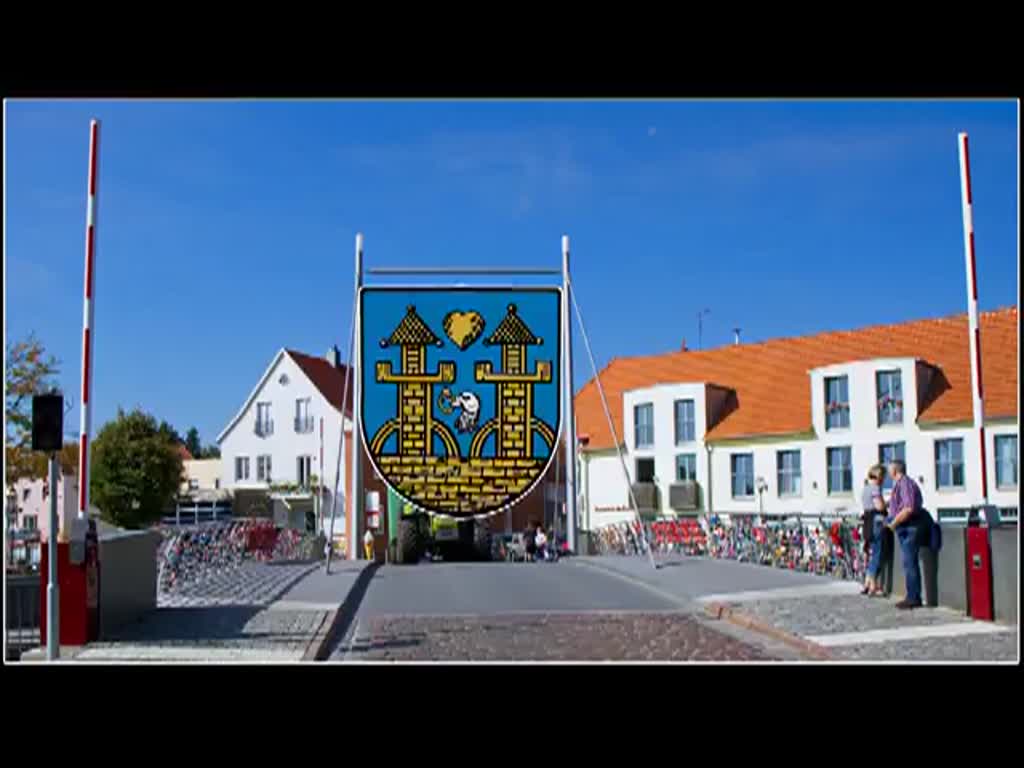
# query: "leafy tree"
136, 470
211, 452
193, 444
170, 432
29, 371
22, 462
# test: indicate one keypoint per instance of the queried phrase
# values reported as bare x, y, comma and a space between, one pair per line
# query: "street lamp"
762, 486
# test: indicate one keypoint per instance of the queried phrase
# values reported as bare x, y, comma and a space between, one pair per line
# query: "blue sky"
226, 228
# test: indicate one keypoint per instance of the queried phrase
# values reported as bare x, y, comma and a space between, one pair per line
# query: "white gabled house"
283, 442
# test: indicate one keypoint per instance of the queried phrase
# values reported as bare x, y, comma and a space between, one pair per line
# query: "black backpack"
929, 532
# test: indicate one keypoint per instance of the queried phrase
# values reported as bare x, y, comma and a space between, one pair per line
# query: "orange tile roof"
770, 378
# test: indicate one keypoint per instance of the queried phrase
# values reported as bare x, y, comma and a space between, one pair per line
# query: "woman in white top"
541, 540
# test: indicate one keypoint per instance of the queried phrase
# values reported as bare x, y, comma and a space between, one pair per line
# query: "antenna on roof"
700, 327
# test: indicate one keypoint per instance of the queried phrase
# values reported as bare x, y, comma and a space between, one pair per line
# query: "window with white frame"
643, 423
889, 386
686, 468
263, 468
837, 402
1006, 461
193, 484
241, 468
686, 430
887, 453
840, 469
303, 419
304, 466
742, 465
949, 463
264, 422
29, 523
788, 465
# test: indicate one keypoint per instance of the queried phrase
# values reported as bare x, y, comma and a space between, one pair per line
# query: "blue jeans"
907, 534
875, 560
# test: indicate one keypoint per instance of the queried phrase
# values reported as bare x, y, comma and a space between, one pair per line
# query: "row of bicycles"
813, 545
191, 554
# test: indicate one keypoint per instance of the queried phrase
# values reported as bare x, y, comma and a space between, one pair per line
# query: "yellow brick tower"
415, 422
514, 422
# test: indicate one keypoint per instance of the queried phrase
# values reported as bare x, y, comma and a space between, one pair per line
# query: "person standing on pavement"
905, 509
541, 542
874, 527
368, 544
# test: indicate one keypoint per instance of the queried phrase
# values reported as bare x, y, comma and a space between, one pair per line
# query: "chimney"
736, 331
682, 347
333, 356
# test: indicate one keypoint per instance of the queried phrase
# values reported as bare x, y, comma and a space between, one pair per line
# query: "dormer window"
889, 388
837, 402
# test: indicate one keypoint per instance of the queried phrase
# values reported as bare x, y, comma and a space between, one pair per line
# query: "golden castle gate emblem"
461, 420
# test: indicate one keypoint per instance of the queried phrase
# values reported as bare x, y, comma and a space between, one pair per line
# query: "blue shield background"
383, 309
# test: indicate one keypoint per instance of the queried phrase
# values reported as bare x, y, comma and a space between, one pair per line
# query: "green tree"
136, 470
29, 371
211, 452
170, 432
193, 444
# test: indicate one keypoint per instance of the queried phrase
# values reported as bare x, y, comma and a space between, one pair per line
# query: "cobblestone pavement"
545, 637
212, 633
835, 615
1001, 646
224, 617
818, 615
249, 584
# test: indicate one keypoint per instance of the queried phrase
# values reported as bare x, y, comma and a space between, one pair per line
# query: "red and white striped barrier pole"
87, 325
972, 306
320, 490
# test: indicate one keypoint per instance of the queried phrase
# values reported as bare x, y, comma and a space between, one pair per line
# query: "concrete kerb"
337, 622
723, 612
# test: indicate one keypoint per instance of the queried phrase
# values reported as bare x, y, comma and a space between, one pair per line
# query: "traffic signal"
47, 422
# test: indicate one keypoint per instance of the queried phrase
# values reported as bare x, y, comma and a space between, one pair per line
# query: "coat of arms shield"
461, 392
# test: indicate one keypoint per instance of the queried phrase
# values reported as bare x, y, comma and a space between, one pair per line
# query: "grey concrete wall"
952, 568
1005, 572
951, 571
128, 576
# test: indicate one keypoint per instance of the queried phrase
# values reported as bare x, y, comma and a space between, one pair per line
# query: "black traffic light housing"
47, 422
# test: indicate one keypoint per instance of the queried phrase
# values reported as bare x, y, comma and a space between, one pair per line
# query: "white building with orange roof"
791, 426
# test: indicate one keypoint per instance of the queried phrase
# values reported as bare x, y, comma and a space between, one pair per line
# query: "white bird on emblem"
470, 405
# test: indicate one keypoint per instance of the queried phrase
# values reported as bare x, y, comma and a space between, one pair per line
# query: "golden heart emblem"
463, 328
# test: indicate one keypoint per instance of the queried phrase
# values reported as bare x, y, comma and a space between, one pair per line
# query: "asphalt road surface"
521, 611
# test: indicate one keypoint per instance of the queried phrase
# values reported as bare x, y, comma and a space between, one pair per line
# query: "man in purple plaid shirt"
905, 510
